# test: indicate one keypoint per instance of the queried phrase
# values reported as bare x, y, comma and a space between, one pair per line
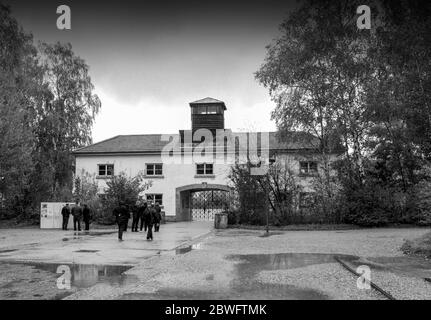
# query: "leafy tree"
368, 89
276, 191
63, 121
47, 108
122, 188
19, 79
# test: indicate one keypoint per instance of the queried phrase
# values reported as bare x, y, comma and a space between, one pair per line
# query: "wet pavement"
69, 247
191, 261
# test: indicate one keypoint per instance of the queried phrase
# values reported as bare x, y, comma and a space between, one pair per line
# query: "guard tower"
208, 114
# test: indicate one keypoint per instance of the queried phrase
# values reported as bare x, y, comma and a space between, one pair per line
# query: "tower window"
209, 109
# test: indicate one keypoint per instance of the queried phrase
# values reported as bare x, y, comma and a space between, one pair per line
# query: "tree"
64, 119
276, 192
19, 80
368, 89
316, 72
47, 108
125, 189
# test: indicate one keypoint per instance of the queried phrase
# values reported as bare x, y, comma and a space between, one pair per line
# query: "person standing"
150, 221
143, 210
158, 217
77, 215
122, 216
65, 212
135, 216
86, 214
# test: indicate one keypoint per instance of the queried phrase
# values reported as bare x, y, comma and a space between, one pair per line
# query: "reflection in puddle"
245, 285
87, 275
249, 266
280, 261
7, 250
77, 235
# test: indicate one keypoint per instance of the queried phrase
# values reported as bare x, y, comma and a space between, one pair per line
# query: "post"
266, 210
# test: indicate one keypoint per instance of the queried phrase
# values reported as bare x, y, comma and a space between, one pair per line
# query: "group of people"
79, 213
144, 215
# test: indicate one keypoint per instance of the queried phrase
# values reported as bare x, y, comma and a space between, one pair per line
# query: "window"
154, 198
212, 109
308, 167
106, 170
206, 109
154, 169
204, 168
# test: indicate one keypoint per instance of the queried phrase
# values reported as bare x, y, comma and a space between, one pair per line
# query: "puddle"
249, 266
245, 285
185, 249
96, 234
80, 234
271, 233
85, 275
281, 261
237, 233
7, 250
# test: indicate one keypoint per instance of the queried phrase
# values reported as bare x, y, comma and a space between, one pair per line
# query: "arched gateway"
200, 201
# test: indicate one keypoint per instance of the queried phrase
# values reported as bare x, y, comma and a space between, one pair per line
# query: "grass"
420, 246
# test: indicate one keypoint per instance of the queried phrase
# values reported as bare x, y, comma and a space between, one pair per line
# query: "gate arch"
183, 201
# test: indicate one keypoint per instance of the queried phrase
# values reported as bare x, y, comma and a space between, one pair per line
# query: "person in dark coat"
86, 215
135, 216
77, 215
122, 216
65, 212
157, 217
150, 219
143, 210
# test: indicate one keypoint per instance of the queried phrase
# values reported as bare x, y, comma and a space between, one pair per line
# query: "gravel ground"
403, 287
24, 282
331, 279
209, 272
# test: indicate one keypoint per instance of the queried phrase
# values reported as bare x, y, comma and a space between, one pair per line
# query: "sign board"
50, 215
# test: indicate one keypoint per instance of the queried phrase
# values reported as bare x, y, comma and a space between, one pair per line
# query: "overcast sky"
149, 59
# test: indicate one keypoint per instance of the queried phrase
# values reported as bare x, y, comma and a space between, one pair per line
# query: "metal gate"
206, 203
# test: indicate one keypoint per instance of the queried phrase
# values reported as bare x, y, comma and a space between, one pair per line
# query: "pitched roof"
152, 143
207, 100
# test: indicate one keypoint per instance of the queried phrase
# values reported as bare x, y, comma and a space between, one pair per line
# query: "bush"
121, 188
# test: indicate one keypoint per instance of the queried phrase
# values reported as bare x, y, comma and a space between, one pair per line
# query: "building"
188, 186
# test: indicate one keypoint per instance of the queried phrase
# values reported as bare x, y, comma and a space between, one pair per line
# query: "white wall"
178, 175
174, 175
